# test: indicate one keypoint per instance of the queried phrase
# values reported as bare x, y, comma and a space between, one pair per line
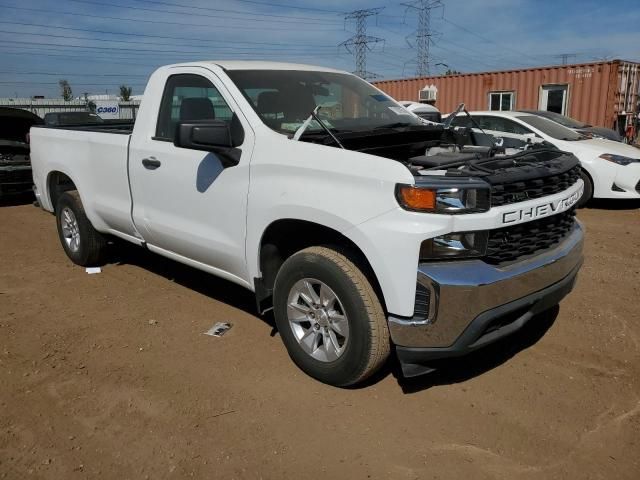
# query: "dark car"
15, 166
578, 126
72, 118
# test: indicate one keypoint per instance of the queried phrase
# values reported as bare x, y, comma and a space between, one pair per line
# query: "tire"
588, 189
347, 350
82, 243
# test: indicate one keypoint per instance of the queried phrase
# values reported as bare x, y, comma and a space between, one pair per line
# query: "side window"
500, 124
462, 121
513, 127
189, 97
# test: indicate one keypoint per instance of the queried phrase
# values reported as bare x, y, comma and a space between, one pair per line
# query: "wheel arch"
284, 237
58, 182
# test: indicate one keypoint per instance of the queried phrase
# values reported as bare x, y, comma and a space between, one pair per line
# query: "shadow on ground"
15, 200
447, 372
189, 277
457, 370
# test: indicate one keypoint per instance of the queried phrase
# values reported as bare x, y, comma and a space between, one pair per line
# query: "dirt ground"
110, 376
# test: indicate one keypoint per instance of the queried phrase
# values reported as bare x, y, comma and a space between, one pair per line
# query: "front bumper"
472, 303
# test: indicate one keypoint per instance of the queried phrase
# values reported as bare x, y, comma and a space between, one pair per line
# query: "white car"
609, 169
423, 110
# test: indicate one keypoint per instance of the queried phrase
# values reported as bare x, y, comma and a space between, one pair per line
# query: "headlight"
619, 159
445, 196
455, 245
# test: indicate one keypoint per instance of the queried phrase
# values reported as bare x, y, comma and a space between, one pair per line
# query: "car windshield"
284, 99
553, 129
564, 120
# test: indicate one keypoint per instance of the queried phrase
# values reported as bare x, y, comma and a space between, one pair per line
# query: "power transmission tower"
359, 43
423, 35
565, 56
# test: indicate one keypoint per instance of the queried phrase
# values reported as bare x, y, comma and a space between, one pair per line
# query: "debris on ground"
219, 329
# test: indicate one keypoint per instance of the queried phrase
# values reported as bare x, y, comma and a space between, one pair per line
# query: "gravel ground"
110, 376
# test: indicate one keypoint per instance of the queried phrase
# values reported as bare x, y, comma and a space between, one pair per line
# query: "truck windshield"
284, 99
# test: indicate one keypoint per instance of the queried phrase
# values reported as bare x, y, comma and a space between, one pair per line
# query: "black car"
15, 165
577, 125
72, 118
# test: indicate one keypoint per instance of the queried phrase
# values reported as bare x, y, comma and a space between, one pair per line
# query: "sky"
98, 45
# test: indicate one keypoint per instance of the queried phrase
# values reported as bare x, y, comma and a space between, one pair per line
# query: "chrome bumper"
461, 291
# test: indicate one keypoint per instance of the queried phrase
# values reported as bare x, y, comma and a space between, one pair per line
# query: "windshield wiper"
307, 122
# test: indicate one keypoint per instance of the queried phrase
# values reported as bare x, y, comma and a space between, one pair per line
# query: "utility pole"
423, 34
565, 56
359, 43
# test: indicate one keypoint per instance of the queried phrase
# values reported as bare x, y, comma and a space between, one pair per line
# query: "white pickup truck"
360, 226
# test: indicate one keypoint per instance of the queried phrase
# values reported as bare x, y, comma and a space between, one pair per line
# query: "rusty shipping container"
603, 93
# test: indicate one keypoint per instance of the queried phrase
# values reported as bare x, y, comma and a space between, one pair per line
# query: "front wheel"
329, 317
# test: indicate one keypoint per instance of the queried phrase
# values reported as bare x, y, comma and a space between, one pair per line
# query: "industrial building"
605, 94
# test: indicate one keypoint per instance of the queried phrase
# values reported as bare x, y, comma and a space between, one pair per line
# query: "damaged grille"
506, 193
510, 243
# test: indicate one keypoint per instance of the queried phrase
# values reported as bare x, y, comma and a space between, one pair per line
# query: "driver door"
186, 204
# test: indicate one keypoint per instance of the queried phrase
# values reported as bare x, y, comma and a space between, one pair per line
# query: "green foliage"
125, 93
65, 90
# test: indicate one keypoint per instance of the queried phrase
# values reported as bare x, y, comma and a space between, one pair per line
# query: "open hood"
15, 124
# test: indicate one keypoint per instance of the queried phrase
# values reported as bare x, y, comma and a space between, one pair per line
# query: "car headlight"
619, 159
446, 196
455, 245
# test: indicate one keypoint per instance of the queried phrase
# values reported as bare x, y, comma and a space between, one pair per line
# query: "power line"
162, 22
51, 35
182, 5
423, 35
359, 43
178, 12
289, 6
464, 29
107, 32
565, 56
53, 74
146, 51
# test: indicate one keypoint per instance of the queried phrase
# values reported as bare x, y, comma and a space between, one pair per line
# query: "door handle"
151, 163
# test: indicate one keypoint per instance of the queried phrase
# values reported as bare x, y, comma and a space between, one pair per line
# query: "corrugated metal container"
596, 93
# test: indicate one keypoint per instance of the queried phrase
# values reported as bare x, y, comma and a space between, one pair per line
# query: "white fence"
41, 106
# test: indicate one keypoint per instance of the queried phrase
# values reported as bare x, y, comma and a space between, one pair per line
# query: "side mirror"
215, 136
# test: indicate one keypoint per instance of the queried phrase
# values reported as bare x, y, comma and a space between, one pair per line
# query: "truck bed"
122, 127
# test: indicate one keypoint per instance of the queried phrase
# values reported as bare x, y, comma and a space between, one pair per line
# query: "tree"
125, 93
451, 71
65, 90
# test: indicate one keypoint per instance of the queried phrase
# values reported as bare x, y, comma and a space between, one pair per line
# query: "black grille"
506, 193
16, 176
423, 299
638, 187
510, 243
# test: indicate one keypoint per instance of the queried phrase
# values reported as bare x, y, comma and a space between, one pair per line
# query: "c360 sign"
107, 109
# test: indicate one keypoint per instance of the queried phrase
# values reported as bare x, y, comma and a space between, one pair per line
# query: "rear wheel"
588, 189
82, 243
329, 317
